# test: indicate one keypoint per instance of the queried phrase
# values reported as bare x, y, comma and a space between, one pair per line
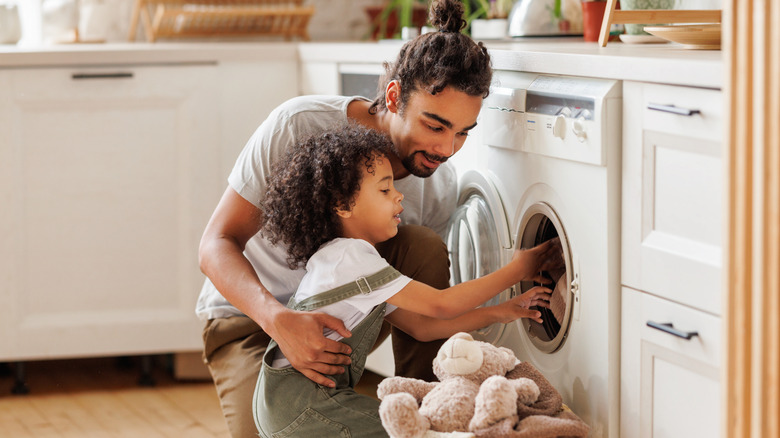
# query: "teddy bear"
472, 393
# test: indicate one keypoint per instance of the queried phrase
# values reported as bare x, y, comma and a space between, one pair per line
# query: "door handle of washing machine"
672, 109
668, 327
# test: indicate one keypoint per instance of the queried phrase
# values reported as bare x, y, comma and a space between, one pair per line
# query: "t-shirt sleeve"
359, 259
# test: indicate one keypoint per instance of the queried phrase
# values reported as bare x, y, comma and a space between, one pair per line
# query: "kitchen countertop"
142, 53
661, 63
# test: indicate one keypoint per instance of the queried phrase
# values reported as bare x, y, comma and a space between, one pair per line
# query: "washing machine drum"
540, 223
475, 251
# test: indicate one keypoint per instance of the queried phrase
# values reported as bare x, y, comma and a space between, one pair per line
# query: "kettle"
10, 27
545, 18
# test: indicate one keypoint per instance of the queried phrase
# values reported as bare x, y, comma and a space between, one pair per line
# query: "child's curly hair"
311, 181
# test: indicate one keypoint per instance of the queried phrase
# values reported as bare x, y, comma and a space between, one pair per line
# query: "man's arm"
299, 334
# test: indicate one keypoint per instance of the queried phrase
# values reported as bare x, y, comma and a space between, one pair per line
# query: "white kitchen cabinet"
108, 179
671, 261
673, 193
669, 385
108, 176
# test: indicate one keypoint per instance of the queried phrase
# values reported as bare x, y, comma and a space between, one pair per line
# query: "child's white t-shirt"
335, 264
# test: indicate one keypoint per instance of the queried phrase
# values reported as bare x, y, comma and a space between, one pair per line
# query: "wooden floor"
102, 398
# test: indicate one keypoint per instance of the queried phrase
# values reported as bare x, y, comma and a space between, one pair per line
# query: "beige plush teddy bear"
472, 394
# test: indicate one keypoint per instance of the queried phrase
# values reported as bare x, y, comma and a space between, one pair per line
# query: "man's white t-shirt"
339, 262
427, 201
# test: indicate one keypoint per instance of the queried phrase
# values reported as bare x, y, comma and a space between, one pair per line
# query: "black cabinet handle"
118, 75
669, 328
672, 109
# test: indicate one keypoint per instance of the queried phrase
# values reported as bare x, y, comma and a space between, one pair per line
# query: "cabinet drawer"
672, 193
669, 385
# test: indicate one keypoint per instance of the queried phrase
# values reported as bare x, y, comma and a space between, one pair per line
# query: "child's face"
376, 213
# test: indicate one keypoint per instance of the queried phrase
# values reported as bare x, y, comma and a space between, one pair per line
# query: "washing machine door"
539, 224
479, 240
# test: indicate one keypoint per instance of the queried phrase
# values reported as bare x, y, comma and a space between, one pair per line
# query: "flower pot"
592, 17
392, 28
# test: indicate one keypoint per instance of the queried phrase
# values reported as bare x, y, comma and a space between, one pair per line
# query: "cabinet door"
108, 177
669, 385
672, 193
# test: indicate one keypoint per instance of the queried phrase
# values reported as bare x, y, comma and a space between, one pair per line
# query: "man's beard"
419, 170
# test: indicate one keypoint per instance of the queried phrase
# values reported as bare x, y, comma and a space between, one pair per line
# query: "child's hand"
547, 256
520, 306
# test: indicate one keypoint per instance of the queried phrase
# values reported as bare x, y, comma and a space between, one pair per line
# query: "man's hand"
300, 337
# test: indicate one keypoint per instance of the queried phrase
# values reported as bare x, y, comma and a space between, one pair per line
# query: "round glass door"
475, 250
540, 224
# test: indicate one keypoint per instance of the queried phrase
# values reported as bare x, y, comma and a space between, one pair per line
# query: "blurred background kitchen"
53, 21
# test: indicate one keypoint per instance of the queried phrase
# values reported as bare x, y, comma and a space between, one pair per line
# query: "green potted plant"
489, 18
388, 20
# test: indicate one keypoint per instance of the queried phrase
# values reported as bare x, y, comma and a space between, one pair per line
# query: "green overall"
288, 404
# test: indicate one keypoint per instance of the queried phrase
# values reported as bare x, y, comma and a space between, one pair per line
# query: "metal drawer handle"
669, 328
118, 75
672, 109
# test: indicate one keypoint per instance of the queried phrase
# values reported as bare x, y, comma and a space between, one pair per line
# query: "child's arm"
451, 302
425, 328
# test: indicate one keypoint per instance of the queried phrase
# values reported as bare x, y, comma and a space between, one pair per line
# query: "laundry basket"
221, 18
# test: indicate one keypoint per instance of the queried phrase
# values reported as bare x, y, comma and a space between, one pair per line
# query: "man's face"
432, 128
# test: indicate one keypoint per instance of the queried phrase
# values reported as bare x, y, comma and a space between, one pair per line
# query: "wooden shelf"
652, 16
207, 18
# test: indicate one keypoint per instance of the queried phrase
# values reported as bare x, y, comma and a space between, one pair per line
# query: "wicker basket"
210, 18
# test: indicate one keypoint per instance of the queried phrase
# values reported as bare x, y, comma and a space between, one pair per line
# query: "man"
430, 101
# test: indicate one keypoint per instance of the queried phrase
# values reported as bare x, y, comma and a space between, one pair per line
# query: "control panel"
566, 117
559, 116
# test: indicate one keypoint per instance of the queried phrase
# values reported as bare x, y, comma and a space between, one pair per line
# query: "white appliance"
545, 162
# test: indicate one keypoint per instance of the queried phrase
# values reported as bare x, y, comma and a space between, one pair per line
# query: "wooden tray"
691, 36
209, 18
649, 16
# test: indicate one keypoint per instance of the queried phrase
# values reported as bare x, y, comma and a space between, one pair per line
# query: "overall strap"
363, 285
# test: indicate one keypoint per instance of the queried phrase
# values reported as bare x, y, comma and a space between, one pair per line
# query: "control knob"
578, 127
559, 126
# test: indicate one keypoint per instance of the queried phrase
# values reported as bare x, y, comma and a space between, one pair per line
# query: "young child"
330, 200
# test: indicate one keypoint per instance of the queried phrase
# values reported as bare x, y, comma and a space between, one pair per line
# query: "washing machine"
544, 162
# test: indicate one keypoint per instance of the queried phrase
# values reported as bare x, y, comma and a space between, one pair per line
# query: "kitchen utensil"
612, 16
631, 5
545, 18
642, 39
691, 36
10, 28
221, 18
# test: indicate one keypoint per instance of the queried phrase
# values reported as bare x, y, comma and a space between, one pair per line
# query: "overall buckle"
363, 285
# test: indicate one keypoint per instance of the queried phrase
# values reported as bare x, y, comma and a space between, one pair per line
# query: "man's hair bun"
447, 15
